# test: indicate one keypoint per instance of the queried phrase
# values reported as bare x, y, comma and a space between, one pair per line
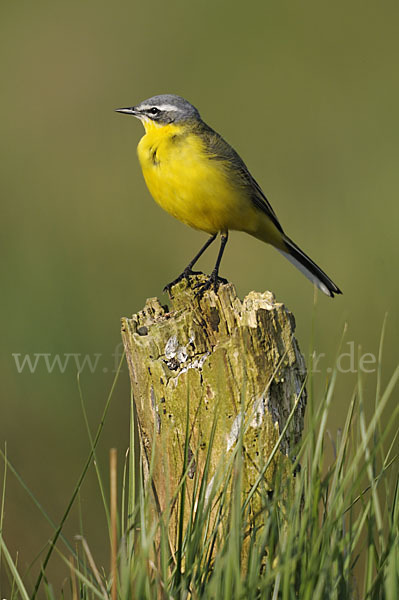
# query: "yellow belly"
189, 185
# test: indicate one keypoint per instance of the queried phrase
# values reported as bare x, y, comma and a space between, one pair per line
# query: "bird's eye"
154, 111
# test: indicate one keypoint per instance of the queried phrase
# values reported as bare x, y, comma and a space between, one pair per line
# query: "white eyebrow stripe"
159, 106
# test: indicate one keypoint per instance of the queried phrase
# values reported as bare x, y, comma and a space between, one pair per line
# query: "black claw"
187, 273
213, 281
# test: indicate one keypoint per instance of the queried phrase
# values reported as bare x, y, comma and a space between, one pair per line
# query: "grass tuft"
329, 529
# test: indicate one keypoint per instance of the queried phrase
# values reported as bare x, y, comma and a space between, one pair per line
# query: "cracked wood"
206, 356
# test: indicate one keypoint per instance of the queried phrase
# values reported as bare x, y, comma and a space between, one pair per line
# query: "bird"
197, 177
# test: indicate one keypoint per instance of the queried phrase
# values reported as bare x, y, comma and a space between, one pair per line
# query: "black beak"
128, 111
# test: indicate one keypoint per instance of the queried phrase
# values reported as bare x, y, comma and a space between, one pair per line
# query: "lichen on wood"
213, 356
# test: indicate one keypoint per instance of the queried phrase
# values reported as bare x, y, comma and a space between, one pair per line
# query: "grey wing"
219, 149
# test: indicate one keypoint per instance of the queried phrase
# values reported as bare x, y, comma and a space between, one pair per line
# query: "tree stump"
239, 359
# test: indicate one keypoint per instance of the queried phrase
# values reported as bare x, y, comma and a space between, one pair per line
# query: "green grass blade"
13, 570
77, 487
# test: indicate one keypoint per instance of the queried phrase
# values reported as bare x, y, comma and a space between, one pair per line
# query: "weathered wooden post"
214, 354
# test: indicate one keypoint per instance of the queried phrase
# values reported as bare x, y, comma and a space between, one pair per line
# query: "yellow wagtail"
199, 178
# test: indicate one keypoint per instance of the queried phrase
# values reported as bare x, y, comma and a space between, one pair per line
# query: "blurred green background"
308, 94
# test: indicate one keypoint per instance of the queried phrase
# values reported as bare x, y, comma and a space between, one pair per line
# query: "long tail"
309, 268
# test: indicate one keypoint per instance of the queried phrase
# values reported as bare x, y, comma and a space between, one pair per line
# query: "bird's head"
163, 110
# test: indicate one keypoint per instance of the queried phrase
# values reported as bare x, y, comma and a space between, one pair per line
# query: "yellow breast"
188, 184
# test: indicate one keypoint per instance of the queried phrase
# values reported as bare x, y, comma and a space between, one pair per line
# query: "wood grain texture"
219, 358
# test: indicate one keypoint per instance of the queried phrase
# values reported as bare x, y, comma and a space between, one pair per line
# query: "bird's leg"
188, 271
214, 280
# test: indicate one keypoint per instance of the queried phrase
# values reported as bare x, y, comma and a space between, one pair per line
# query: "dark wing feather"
219, 149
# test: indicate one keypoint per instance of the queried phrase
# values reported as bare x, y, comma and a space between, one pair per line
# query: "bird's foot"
187, 273
213, 282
